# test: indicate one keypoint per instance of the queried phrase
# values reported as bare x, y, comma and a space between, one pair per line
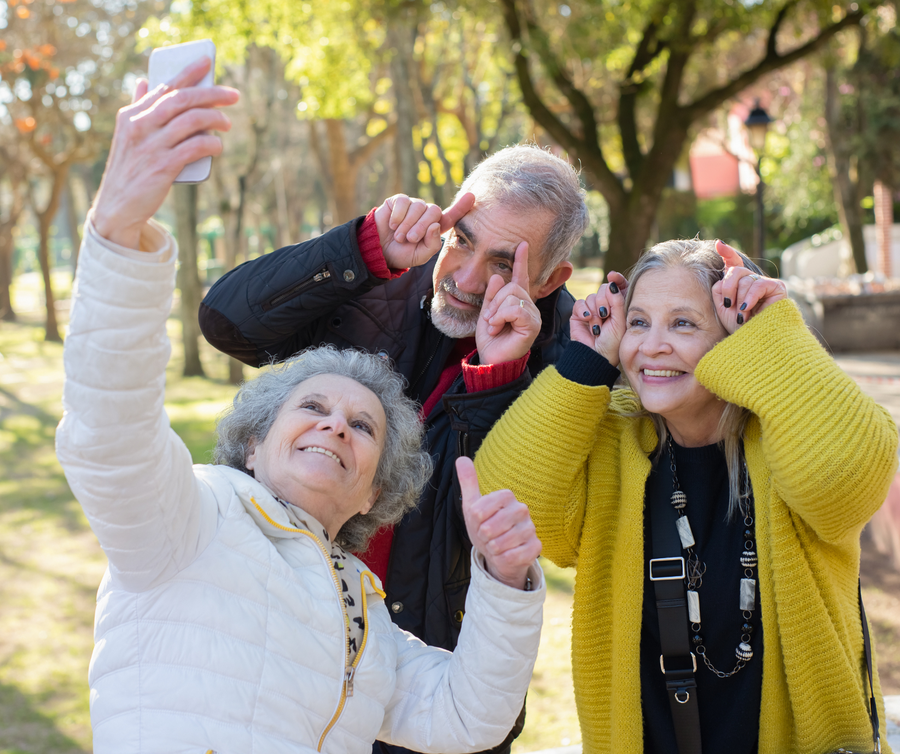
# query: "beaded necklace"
695, 569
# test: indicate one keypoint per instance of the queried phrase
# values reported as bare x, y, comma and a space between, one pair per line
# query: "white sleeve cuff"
157, 246
535, 574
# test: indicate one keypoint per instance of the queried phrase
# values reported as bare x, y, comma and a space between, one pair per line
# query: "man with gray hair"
468, 321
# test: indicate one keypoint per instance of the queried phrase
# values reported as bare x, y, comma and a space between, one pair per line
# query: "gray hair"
701, 259
403, 469
528, 178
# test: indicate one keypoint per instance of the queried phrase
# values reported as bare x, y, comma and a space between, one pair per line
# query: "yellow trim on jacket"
821, 456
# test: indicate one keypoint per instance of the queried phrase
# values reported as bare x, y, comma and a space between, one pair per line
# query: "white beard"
449, 320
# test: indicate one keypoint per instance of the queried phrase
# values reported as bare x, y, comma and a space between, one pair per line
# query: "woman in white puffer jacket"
231, 619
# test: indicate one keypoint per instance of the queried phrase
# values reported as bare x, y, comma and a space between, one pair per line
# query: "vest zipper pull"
348, 680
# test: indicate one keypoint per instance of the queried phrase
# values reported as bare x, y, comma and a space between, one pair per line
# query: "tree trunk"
343, 172
72, 220
7, 247
401, 36
846, 190
185, 196
884, 225
7, 313
45, 222
51, 327
628, 236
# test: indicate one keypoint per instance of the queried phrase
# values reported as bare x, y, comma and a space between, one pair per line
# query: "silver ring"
754, 276
521, 303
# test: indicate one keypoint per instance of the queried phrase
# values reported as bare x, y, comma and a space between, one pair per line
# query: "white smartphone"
165, 64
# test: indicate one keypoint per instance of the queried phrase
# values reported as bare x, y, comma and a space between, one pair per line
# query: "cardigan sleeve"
539, 450
129, 471
831, 449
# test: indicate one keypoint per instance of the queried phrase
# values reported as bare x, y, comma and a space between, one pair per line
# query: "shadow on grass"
23, 729
30, 476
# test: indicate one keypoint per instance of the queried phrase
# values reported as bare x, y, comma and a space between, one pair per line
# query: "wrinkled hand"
155, 137
499, 527
599, 321
509, 321
410, 229
741, 294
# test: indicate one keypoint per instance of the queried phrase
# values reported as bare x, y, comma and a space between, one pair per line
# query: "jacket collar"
272, 519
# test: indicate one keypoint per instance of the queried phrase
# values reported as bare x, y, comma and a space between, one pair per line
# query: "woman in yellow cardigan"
757, 457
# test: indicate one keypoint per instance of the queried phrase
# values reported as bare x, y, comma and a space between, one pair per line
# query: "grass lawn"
51, 564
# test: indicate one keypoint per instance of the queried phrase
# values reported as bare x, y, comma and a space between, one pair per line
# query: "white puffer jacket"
219, 626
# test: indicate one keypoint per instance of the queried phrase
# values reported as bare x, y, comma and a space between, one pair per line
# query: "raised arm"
275, 305
832, 449
128, 470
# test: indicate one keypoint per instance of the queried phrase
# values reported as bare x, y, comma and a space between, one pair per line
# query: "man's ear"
370, 502
557, 278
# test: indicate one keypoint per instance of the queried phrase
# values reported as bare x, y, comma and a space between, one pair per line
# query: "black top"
729, 707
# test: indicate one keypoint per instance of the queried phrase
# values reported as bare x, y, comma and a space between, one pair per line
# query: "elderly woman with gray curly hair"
232, 617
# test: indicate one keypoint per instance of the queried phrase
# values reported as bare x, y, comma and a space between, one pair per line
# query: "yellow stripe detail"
276, 524
372, 581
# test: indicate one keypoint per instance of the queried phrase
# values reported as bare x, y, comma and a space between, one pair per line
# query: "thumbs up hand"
499, 527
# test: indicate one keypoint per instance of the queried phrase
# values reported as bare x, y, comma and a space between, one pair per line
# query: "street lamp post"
757, 124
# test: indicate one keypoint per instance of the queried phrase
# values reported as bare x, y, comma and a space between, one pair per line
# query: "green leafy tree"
622, 85
62, 66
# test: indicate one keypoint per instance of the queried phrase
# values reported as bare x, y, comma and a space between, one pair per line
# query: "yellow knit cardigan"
821, 456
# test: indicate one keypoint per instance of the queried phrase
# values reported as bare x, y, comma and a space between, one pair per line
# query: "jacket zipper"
349, 668
295, 290
424, 369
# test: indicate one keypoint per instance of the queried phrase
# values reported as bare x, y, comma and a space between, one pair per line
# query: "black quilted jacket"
321, 291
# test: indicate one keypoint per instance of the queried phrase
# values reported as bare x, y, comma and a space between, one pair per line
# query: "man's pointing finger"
457, 211
520, 267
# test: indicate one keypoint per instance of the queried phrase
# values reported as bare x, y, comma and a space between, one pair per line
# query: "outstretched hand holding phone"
155, 137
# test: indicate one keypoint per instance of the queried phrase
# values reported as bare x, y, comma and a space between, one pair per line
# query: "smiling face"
670, 326
483, 244
323, 449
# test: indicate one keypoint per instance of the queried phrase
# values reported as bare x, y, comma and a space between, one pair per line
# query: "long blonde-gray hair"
704, 263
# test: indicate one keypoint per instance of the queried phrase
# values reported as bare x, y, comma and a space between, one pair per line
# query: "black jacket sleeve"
272, 306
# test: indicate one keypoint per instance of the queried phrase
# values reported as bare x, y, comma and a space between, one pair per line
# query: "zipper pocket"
295, 290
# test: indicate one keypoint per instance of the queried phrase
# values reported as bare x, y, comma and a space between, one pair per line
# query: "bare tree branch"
770, 62
590, 153
582, 107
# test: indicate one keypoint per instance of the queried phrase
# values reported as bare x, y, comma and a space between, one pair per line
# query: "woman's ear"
370, 502
250, 460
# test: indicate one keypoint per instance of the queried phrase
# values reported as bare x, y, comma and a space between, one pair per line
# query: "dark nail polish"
727, 303
587, 314
614, 288
602, 312
743, 306
740, 319
595, 329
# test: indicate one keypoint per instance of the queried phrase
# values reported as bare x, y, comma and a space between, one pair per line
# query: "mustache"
448, 285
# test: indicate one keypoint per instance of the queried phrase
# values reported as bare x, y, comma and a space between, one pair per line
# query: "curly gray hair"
403, 469
526, 177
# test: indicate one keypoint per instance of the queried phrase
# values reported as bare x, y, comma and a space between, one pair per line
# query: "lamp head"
757, 124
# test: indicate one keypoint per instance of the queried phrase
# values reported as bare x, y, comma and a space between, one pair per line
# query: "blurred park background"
772, 124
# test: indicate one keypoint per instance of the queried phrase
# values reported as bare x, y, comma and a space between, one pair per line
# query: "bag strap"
867, 646
677, 663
